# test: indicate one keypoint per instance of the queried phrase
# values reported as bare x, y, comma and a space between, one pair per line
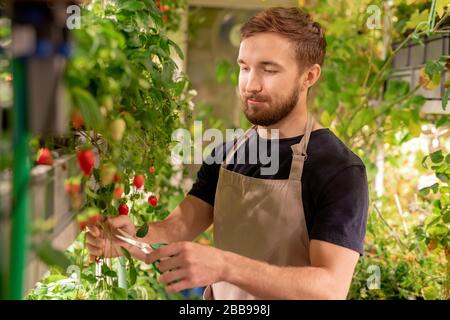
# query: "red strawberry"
82, 225
118, 191
138, 181
92, 221
86, 160
116, 178
151, 170
88, 217
123, 209
44, 157
77, 119
153, 201
73, 185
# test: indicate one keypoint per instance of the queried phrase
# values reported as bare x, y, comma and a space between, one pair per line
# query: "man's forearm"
191, 217
267, 281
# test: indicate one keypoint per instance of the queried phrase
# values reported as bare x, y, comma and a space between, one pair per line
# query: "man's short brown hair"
295, 25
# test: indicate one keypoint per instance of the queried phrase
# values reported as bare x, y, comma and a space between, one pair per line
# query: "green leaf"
424, 191
437, 157
437, 231
396, 88
133, 5
424, 161
447, 159
222, 70
54, 278
106, 271
418, 100
127, 188
133, 274
435, 187
50, 256
126, 253
142, 231
88, 107
445, 98
119, 293
446, 217
177, 49
157, 245
433, 68
442, 121
332, 82
416, 18
326, 118
442, 176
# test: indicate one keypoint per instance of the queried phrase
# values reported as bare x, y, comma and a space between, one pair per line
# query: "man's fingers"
163, 252
169, 264
172, 276
94, 241
179, 286
95, 251
94, 231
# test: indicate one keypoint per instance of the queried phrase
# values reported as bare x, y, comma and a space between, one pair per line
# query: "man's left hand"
186, 265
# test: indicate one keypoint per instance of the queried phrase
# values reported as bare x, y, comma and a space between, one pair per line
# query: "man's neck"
292, 125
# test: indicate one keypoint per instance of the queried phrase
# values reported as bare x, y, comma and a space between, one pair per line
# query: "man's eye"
270, 71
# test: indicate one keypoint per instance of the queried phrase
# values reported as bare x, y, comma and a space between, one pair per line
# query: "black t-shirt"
334, 185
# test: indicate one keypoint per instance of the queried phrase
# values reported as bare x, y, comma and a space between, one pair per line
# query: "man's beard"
269, 115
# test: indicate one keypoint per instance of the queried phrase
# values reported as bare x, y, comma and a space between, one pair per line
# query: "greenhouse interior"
120, 121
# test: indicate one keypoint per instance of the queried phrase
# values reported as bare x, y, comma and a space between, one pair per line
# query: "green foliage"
374, 110
126, 86
80, 282
412, 256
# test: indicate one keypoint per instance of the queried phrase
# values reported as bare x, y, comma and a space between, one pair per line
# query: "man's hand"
103, 243
189, 264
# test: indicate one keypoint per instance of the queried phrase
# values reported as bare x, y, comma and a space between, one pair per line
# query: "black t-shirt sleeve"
341, 213
205, 185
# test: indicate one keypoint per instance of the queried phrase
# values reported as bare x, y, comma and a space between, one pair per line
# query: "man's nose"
253, 83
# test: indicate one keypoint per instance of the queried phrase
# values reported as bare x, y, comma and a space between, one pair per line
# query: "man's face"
268, 78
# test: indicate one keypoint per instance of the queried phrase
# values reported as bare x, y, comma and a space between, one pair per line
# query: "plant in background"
128, 97
5, 94
375, 113
436, 228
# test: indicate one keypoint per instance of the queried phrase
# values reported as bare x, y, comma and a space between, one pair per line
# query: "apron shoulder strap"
299, 154
241, 140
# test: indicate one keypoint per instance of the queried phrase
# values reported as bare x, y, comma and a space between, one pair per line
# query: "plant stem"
394, 233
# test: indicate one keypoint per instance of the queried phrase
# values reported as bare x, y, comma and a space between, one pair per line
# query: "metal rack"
410, 59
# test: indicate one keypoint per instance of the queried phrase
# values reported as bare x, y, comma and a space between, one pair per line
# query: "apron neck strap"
299, 154
299, 149
241, 140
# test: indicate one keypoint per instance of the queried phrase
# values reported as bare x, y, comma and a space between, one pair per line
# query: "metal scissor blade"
128, 239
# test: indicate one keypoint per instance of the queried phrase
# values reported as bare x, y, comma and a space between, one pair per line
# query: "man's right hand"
103, 243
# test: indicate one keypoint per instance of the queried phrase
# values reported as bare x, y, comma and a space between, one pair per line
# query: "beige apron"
261, 219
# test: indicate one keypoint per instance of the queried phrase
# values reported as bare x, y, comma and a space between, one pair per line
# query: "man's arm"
190, 218
195, 265
328, 277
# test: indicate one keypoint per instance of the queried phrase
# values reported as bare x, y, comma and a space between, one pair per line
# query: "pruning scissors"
124, 236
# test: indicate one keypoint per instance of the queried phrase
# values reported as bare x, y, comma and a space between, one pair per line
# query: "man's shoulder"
327, 149
330, 157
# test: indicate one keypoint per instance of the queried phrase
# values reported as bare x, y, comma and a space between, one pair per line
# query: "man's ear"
312, 74
309, 77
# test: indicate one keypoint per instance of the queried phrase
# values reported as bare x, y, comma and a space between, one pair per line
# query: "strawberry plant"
127, 98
